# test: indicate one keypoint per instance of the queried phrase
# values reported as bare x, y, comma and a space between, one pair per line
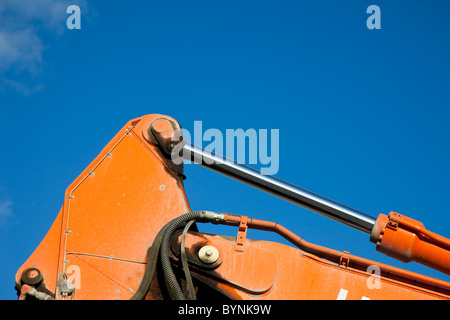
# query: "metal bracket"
64, 287
345, 260
392, 225
242, 233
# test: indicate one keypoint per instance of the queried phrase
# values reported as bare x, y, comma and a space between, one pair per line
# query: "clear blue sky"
363, 114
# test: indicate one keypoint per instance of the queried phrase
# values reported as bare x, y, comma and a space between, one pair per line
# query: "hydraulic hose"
191, 290
152, 260
173, 287
172, 284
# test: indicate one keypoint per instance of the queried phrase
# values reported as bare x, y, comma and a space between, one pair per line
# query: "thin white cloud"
6, 212
50, 13
22, 24
20, 49
21, 88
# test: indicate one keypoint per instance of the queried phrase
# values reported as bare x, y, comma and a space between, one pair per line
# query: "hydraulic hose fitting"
171, 281
213, 217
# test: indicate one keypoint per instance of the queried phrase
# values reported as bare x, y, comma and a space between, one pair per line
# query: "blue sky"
362, 114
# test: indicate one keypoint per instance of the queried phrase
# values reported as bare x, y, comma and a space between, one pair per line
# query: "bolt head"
208, 254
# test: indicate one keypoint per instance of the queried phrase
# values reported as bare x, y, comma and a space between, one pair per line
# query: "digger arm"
119, 235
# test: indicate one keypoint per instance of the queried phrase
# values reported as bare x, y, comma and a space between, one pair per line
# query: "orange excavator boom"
126, 231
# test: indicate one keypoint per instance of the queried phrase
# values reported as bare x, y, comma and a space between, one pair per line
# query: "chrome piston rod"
279, 188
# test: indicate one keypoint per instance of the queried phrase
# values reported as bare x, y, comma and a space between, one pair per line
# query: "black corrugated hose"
152, 260
161, 247
191, 295
173, 287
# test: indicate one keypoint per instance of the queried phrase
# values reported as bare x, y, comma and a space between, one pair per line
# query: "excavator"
126, 232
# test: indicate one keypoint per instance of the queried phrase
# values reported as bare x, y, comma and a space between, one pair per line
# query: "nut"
208, 254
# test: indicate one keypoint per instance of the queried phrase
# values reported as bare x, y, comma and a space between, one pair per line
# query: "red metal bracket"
242, 233
345, 259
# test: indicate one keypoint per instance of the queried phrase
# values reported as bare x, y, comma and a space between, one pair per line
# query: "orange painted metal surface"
270, 270
110, 216
407, 240
339, 265
113, 211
